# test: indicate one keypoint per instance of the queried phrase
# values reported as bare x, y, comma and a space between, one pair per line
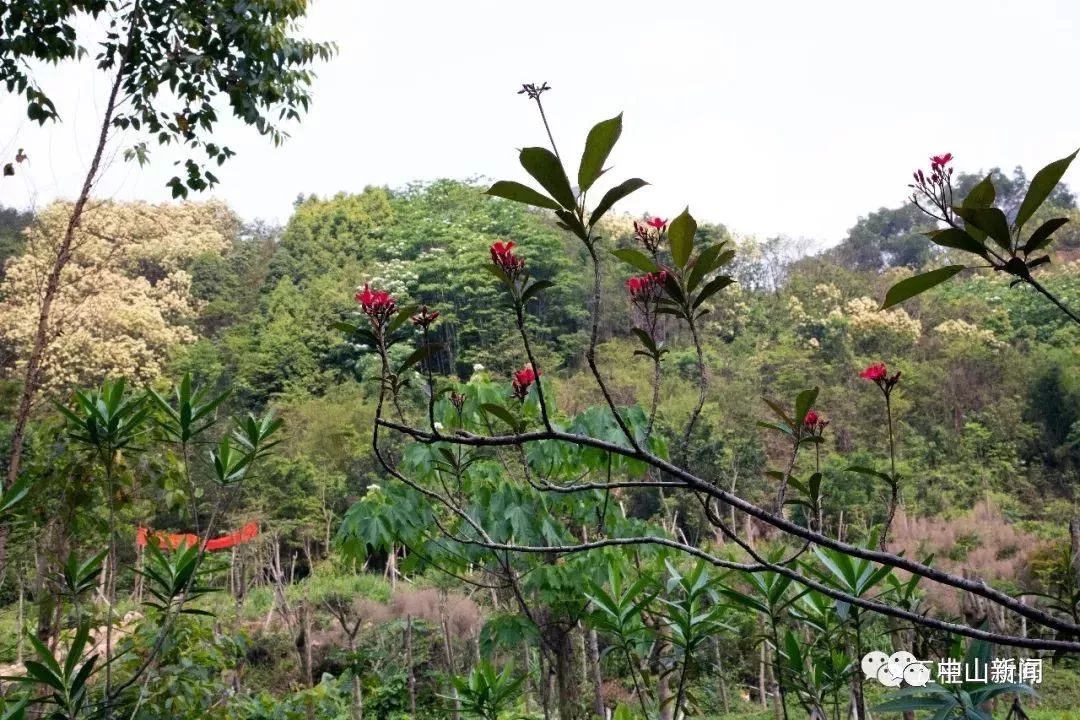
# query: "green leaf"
959, 239
803, 402
1041, 186
982, 195
420, 353
903, 704
1042, 235
547, 170
703, 264
912, 286
535, 289
636, 258
647, 341
614, 195
515, 191
871, 472
711, 288
502, 413
598, 145
989, 220
681, 233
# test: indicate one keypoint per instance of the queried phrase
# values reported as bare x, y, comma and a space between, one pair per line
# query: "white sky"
771, 117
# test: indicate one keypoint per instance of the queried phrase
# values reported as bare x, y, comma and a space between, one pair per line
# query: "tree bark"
450, 660
409, 663
597, 675
560, 641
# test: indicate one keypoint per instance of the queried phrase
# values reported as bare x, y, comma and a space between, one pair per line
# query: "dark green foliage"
175, 66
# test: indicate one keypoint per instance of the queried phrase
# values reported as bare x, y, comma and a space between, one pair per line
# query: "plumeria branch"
761, 564
692, 482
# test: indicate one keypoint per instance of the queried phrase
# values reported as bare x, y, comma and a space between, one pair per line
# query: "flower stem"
894, 497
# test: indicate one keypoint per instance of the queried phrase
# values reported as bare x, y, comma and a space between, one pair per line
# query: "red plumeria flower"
646, 287
377, 305
649, 232
875, 372
879, 374
935, 188
814, 423
523, 380
425, 317
502, 254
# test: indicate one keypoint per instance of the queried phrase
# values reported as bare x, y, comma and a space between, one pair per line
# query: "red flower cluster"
646, 287
649, 232
425, 317
377, 305
502, 254
814, 423
879, 374
935, 187
523, 380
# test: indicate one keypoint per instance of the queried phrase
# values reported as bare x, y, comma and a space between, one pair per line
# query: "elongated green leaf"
636, 258
420, 353
959, 239
598, 145
711, 288
681, 236
614, 195
1042, 185
904, 704
646, 340
982, 195
702, 265
535, 289
989, 220
515, 191
803, 402
871, 472
547, 170
1043, 234
569, 221
502, 413
912, 286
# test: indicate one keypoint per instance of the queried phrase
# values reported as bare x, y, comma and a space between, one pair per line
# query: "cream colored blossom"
124, 300
963, 329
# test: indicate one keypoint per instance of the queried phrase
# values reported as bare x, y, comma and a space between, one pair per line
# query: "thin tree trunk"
544, 684
22, 622
762, 664
528, 679
720, 674
409, 663
597, 675
450, 671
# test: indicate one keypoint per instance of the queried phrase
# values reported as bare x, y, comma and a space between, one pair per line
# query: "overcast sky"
771, 117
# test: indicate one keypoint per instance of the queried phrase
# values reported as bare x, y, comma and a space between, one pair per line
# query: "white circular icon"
899, 661
886, 677
872, 662
916, 675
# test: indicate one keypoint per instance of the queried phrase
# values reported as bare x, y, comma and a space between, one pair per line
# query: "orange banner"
175, 540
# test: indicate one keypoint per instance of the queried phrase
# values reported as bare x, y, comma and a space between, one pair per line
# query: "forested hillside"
344, 580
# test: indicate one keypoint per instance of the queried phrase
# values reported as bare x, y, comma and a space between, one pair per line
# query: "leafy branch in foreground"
977, 227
